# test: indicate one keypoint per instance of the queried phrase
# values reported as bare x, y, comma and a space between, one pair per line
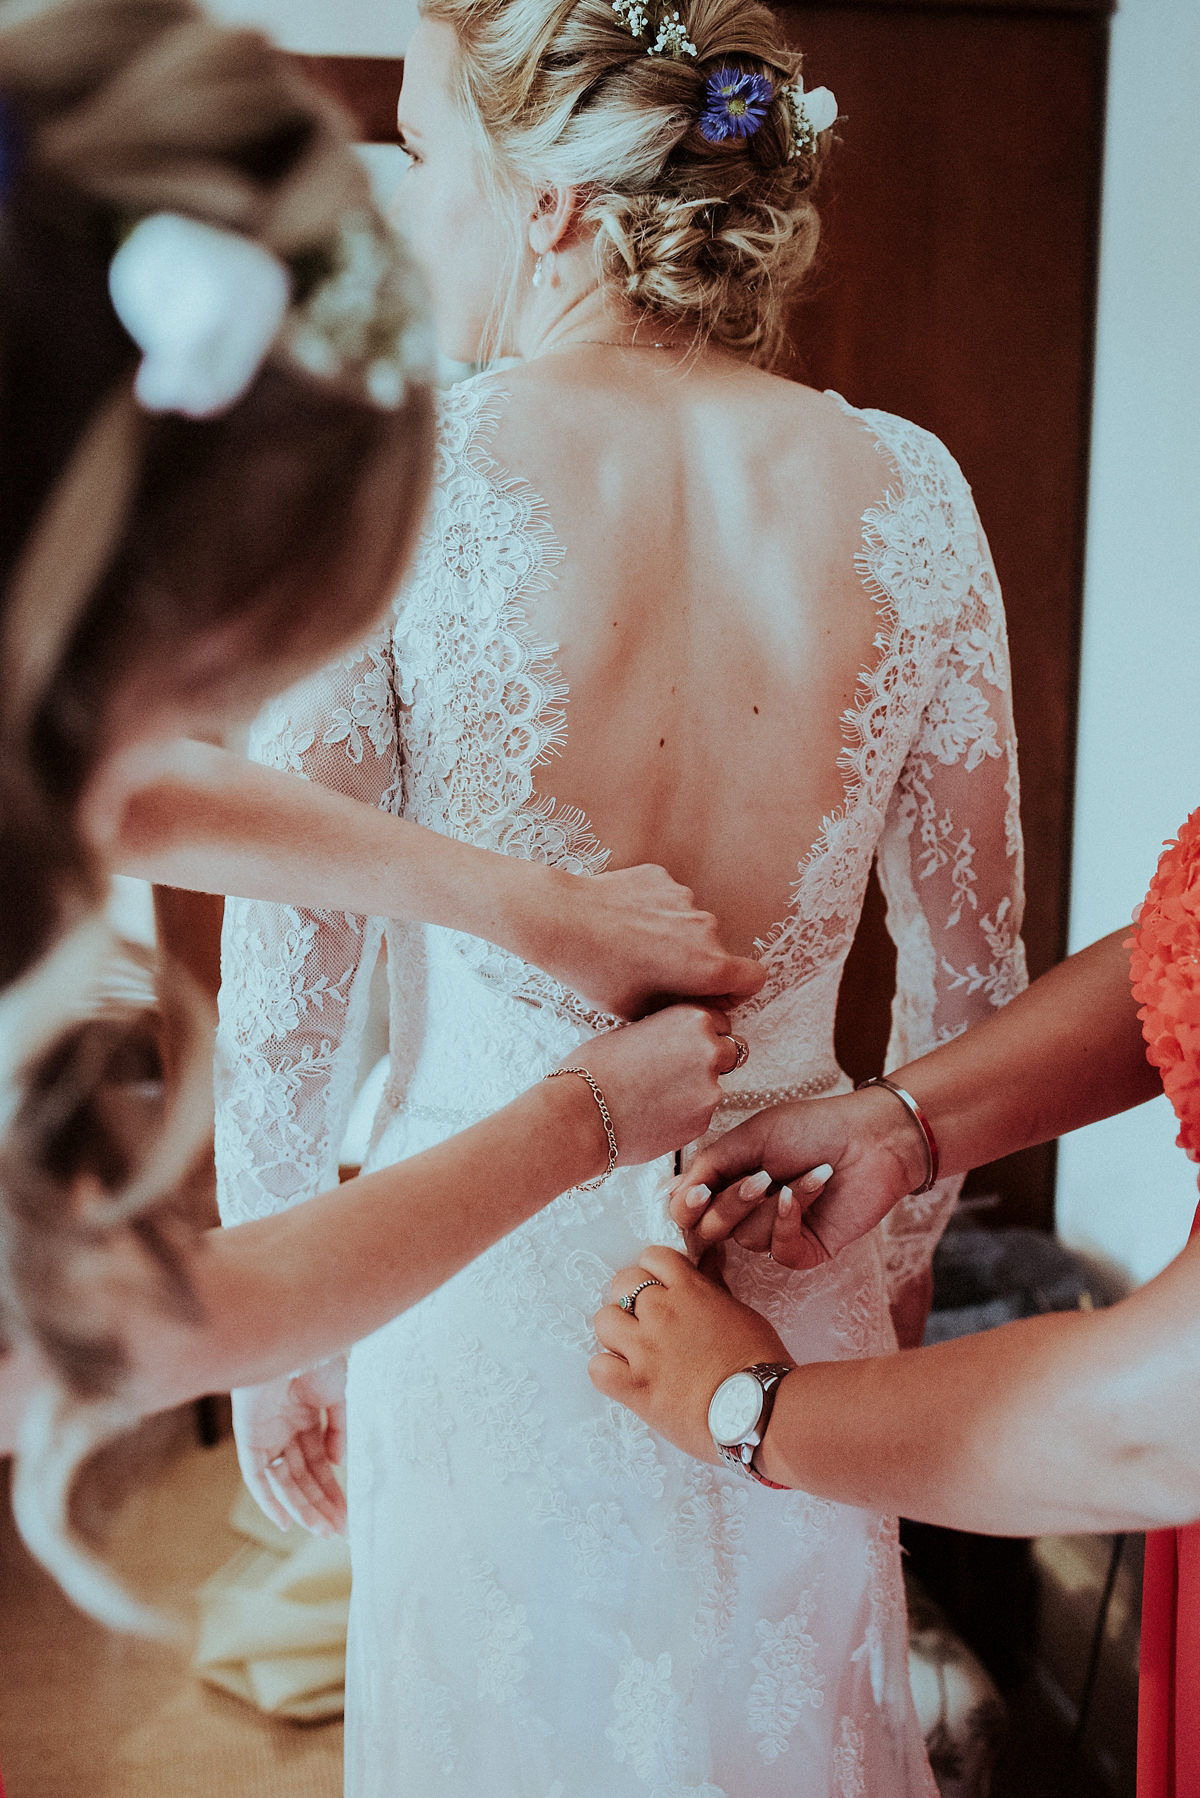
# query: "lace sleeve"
294, 984
950, 858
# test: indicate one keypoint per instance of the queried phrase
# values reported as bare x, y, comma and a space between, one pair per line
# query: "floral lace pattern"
706, 1538
482, 702
647, 1732
295, 984
549, 1600
786, 1680
501, 1631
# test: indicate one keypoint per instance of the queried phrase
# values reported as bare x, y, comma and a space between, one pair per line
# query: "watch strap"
741, 1454
735, 1459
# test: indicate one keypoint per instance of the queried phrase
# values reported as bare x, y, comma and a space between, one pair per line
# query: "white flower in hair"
821, 109
811, 114
203, 305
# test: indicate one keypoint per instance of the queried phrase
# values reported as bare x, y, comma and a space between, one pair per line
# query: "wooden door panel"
957, 287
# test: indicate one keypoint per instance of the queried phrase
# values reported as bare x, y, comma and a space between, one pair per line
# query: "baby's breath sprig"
640, 17
633, 16
672, 39
357, 315
810, 114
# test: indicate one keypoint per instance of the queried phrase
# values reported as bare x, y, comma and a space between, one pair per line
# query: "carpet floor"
86, 1714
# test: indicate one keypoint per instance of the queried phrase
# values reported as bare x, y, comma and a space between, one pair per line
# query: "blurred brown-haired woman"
216, 445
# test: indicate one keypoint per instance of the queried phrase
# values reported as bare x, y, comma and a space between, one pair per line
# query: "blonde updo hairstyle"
711, 239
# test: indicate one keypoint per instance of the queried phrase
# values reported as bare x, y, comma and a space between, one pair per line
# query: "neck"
560, 318
572, 312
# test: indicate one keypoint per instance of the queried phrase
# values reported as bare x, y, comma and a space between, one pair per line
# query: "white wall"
1123, 1187
328, 27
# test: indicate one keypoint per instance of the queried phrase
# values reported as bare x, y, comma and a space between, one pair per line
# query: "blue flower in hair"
735, 105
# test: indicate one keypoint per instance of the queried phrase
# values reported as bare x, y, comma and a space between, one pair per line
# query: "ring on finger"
741, 1049
629, 1301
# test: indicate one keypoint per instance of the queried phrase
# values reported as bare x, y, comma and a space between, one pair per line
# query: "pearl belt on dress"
758, 1098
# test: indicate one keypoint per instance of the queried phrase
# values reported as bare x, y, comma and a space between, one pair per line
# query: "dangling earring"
538, 275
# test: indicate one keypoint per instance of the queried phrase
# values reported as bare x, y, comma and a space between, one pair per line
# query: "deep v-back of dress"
549, 1602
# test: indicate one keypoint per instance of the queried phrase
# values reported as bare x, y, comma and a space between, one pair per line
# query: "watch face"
735, 1409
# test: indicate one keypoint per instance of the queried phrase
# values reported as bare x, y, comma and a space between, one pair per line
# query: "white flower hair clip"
640, 17
207, 306
204, 307
810, 115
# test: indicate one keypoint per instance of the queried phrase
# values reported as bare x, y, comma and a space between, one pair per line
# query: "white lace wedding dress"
548, 1601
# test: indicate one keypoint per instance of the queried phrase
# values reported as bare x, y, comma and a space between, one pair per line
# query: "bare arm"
1067, 1051
298, 1287
215, 822
292, 1289
1074, 1421
1078, 1421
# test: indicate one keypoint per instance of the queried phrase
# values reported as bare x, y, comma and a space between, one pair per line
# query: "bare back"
712, 624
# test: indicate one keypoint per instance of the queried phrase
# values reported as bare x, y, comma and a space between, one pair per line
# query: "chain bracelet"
606, 1120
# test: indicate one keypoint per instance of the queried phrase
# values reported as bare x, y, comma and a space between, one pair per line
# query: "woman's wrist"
767, 1461
893, 1128
504, 899
533, 906
929, 1142
781, 1454
575, 1136
576, 1072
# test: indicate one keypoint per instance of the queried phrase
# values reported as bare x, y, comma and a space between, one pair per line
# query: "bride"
668, 607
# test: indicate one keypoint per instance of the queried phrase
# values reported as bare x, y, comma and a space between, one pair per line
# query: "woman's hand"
666, 1359
630, 940
802, 1180
659, 1078
291, 1434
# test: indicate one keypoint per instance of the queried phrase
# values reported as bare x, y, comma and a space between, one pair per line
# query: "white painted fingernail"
755, 1186
785, 1200
816, 1178
696, 1196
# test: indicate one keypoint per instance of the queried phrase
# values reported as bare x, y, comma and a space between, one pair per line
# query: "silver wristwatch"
740, 1412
